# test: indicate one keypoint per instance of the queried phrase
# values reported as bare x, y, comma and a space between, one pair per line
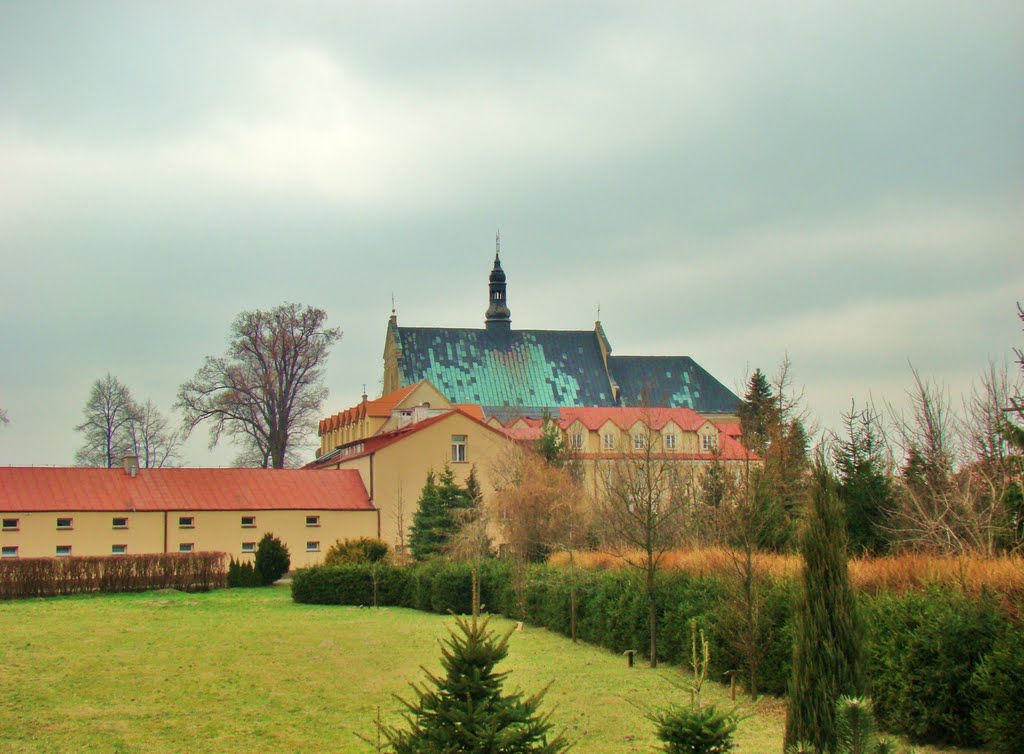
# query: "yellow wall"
400, 469
92, 532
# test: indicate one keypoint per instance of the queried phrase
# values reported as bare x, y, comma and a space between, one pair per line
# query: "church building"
513, 373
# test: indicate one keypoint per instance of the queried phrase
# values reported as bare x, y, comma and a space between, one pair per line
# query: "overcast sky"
730, 181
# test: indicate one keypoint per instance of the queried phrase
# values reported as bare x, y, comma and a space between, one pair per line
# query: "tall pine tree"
865, 488
466, 709
438, 513
757, 412
826, 632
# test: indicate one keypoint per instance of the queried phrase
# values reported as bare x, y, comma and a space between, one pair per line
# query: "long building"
69, 511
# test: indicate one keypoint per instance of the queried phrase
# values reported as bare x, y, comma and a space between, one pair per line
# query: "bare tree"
116, 426
109, 413
153, 440
643, 512
956, 468
265, 393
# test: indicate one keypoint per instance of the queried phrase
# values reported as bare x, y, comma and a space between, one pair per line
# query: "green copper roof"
527, 369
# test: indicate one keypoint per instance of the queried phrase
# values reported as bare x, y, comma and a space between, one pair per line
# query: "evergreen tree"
757, 412
466, 710
272, 559
438, 514
549, 445
865, 488
826, 639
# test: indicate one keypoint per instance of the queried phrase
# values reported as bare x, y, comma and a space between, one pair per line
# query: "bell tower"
498, 318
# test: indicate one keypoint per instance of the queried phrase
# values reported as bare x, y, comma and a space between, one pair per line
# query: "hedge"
922, 648
47, 577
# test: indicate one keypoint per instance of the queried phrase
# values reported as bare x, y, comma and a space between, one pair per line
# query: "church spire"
498, 316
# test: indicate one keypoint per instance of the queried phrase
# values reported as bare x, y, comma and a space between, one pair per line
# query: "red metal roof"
656, 418
86, 489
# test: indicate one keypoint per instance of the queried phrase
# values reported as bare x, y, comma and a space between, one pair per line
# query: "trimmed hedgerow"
47, 577
242, 574
921, 648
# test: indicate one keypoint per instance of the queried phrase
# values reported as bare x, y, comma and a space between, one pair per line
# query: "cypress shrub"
241, 575
826, 646
360, 550
272, 559
922, 649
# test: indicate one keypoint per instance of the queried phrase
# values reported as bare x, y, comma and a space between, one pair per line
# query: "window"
248, 522
312, 520
638, 442
10, 552
186, 522
120, 523
670, 442
312, 547
11, 524
248, 547
63, 550
609, 441
118, 549
710, 442
577, 440
458, 448
65, 523
185, 547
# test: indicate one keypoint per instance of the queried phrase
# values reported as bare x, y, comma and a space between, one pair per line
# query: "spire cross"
497, 242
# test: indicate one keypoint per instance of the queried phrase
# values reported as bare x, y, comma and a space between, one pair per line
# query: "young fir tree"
437, 515
865, 488
826, 637
466, 709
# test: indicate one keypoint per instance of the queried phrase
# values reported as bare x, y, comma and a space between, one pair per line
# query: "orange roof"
593, 418
733, 429
376, 442
86, 489
471, 409
380, 407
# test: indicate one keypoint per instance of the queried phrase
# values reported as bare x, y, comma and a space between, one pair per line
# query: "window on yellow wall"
65, 523
458, 448
609, 441
9, 552
118, 549
710, 442
186, 547
119, 522
312, 547
63, 550
312, 520
577, 441
186, 522
10, 524
248, 522
638, 442
670, 442
248, 547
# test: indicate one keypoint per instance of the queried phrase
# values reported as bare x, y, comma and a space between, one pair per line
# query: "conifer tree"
865, 488
466, 709
756, 412
437, 516
826, 640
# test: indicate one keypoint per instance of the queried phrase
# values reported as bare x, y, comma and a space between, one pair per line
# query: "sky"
732, 181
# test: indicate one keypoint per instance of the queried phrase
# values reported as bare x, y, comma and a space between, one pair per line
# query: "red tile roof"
83, 489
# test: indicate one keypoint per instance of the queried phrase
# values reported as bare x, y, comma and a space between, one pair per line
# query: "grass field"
250, 671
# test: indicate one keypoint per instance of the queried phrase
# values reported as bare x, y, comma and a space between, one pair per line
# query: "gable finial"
497, 243
392, 303
598, 311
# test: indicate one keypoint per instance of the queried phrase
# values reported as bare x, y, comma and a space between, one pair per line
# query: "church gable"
671, 381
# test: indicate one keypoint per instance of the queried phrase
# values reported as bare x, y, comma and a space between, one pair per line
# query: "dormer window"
608, 441
576, 440
670, 442
638, 442
709, 443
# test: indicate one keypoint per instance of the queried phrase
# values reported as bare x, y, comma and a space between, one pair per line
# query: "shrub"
272, 559
361, 550
921, 650
353, 584
694, 730
242, 575
999, 683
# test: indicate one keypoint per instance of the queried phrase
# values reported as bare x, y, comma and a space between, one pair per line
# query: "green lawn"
250, 671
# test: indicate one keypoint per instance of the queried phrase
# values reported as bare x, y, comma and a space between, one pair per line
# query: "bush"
272, 559
922, 649
694, 730
361, 550
242, 575
47, 577
999, 683
352, 584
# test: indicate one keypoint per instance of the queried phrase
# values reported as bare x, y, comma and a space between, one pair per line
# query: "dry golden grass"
895, 573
